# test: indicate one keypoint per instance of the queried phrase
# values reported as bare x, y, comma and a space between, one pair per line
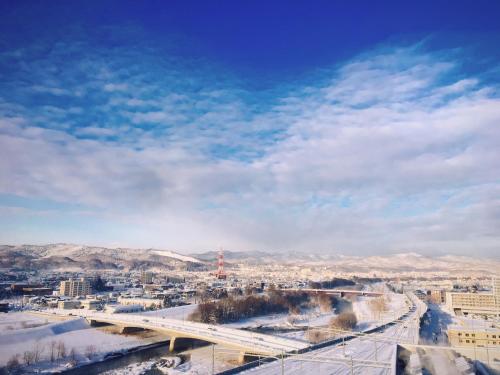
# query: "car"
145, 320
212, 329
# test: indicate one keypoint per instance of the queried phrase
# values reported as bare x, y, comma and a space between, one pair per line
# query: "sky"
329, 127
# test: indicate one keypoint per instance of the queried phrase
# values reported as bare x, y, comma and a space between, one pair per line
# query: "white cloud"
387, 152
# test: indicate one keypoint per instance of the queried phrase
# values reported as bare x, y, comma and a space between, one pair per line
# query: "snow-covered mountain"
75, 257
400, 262
71, 256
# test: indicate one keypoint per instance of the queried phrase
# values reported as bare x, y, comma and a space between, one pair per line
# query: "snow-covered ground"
133, 369
76, 335
20, 320
178, 312
373, 354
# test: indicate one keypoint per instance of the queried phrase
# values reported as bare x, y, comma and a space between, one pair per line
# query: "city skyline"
147, 126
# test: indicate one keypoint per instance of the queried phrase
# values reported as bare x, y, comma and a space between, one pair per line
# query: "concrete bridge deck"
340, 292
244, 341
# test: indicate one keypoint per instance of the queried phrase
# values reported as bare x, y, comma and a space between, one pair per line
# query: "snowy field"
75, 334
178, 312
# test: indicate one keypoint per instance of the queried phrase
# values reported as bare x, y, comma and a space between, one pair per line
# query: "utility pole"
213, 359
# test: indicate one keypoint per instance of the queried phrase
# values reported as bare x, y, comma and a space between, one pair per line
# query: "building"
91, 304
68, 304
115, 309
485, 304
146, 277
74, 288
496, 291
468, 336
472, 303
38, 291
4, 307
18, 288
437, 295
147, 303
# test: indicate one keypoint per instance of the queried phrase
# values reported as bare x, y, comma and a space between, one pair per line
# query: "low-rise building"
115, 309
147, 303
68, 304
472, 303
480, 303
91, 304
469, 336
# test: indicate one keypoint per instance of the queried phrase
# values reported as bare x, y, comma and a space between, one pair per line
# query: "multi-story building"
74, 288
146, 277
496, 291
468, 336
437, 295
486, 304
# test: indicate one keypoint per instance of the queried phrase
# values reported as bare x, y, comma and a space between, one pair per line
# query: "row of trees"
232, 309
330, 284
54, 351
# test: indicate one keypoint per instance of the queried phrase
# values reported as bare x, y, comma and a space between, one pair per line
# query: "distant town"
245, 313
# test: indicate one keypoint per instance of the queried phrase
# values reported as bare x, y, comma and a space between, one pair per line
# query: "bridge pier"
241, 358
171, 345
125, 330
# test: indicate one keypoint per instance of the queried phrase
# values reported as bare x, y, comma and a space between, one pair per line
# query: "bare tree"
28, 357
37, 351
378, 305
13, 362
61, 349
324, 302
53, 350
72, 355
90, 351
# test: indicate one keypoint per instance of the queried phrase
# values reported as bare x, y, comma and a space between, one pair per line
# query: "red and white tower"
220, 274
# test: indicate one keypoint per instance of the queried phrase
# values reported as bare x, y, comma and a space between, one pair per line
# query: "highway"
373, 353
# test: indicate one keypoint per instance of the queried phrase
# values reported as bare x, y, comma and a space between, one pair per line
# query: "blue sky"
339, 127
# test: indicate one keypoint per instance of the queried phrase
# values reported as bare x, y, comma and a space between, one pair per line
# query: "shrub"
13, 362
345, 321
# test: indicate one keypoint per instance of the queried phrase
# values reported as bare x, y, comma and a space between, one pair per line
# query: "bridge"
339, 292
247, 343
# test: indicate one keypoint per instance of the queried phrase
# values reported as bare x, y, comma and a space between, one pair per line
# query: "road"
245, 341
374, 353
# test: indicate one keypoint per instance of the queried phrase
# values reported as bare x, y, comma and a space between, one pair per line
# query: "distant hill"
72, 257
76, 257
403, 262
